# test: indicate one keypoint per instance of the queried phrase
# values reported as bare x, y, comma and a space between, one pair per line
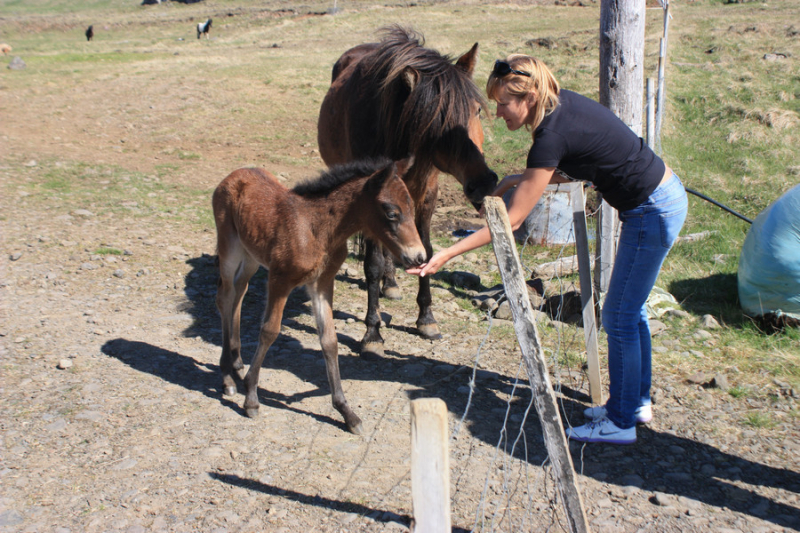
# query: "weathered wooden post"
543, 397
578, 203
621, 86
430, 466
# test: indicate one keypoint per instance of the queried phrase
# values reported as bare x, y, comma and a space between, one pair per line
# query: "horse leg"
390, 288
240, 284
372, 343
322, 300
270, 329
426, 323
235, 270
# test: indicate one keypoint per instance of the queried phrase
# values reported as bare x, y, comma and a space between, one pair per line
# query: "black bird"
203, 27
89, 33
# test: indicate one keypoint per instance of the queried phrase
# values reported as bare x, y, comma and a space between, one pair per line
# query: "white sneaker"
644, 413
602, 430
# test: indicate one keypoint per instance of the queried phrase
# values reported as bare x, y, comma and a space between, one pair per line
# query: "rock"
15, 256
710, 322
82, 213
88, 266
700, 378
720, 381
702, 335
503, 311
17, 64
657, 327
64, 364
465, 280
119, 273
679, 313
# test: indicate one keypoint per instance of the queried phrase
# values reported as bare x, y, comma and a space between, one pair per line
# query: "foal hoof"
392, 293
372, 351
252, 412
229, 391
429, 331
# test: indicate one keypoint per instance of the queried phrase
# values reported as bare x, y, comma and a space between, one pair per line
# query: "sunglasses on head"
502, 69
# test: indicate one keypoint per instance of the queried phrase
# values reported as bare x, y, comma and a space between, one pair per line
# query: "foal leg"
372, 343
235, 270
321, 293
270, 329
390, 289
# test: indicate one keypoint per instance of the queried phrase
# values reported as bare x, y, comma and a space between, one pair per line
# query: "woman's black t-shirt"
586, 141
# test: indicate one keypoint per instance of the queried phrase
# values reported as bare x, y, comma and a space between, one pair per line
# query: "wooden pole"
578, 202
662, 63
544, 399
621, 87
430, 466
651, 113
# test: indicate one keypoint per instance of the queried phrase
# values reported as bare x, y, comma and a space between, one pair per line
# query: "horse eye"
391, 211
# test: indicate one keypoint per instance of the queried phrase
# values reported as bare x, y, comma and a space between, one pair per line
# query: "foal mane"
422, 94
340, 174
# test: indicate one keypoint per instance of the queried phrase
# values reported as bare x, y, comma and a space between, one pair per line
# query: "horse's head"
391, 211
455, 137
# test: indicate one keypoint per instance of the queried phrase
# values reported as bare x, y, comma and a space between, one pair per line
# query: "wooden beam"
587, 297
430, 466
543, 397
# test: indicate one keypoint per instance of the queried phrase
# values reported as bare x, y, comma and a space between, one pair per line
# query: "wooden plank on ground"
430, 466
543, 397
587, 297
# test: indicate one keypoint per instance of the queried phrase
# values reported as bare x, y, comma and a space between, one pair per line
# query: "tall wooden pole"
621, 90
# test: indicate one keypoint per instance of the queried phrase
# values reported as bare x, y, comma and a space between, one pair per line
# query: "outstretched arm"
530, 188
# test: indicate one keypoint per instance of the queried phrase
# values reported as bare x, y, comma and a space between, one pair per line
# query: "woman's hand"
512, 180
432, 266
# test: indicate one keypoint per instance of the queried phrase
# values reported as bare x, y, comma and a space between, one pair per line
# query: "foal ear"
467, 61
403, 165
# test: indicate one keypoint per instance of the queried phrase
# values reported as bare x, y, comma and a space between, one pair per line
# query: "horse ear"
411, 77
468, 60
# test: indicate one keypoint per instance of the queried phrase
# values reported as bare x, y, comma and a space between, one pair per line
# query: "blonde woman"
576, 137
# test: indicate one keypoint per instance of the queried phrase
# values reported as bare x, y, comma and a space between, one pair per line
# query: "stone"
63, 364
17, 64
15, 256
720, 381
709, 322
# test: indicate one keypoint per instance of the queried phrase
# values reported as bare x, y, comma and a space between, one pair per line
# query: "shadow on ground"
659, 462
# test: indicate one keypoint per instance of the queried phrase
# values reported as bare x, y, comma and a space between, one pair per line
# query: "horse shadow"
659, 462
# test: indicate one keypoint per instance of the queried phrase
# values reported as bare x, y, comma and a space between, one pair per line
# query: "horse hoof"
252, 413
392, 293
356, 429
229, 391
372, 351
429, 331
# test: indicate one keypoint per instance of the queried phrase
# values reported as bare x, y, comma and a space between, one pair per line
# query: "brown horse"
396, 98
300, 236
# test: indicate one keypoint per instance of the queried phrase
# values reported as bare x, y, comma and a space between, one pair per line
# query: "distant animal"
300, 236
396, 98
203, 27
5, 48
89, 33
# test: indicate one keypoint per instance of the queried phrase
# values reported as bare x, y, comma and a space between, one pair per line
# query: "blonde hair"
542, 85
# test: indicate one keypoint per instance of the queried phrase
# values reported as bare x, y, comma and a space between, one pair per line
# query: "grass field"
149, 107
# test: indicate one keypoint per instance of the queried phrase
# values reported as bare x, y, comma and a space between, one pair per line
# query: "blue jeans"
648, 232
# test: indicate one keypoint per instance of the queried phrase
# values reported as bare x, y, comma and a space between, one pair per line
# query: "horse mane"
422, 93
341, 174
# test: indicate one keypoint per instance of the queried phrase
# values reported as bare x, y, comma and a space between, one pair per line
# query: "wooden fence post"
430, 466
543, 397
587, 297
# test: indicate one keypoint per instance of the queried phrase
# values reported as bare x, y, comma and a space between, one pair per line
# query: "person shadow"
660, 462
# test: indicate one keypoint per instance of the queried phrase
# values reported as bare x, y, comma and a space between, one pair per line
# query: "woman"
575, 137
